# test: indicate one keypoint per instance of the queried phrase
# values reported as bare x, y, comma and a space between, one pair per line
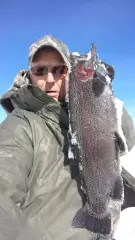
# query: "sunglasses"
57, 71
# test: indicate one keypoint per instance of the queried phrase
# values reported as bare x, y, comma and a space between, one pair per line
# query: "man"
35, 178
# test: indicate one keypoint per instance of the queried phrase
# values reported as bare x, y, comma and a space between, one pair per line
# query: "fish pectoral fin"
98, 86
83, 219
117, 191
120, 142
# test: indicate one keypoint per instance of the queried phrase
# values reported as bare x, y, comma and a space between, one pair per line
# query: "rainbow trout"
94, 141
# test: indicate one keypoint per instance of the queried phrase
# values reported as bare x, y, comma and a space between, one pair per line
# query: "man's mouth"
52, 93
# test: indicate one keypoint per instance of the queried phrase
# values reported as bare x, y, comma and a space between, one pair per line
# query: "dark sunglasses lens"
39, 71
59, 70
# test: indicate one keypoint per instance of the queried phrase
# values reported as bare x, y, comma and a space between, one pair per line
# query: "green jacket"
36, 181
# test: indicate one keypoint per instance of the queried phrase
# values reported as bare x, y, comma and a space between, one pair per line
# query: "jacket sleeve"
16, 154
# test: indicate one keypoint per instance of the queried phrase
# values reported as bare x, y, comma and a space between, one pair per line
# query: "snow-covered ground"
128, 163
126, 226
2, 114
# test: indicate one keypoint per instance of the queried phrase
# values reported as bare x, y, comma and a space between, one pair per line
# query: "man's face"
48, 72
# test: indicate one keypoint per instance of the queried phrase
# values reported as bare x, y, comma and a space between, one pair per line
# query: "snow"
70, 154
126, 226
76, 54
119, 110
128, 162
73, 136
80, 167
73, 139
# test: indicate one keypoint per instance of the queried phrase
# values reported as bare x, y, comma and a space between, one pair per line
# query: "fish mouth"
83, 74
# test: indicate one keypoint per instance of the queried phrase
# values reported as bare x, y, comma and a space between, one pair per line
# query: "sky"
107, 23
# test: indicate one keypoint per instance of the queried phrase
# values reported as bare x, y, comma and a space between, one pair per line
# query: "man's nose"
50, 78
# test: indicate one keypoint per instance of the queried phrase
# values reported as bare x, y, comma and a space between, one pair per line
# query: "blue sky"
108, 23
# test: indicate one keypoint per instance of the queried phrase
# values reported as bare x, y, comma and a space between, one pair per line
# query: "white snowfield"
128, 164
126, 226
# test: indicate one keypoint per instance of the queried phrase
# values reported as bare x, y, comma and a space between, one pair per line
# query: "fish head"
89, 68
83, 65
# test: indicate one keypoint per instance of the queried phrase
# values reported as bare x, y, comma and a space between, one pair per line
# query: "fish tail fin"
118, 189
83, 219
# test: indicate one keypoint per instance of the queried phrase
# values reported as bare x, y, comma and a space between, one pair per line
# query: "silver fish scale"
93, 120
91, 126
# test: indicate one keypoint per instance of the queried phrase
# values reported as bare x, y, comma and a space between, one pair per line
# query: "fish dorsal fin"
92, 55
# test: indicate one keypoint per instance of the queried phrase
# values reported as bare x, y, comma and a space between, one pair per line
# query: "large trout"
95, 142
